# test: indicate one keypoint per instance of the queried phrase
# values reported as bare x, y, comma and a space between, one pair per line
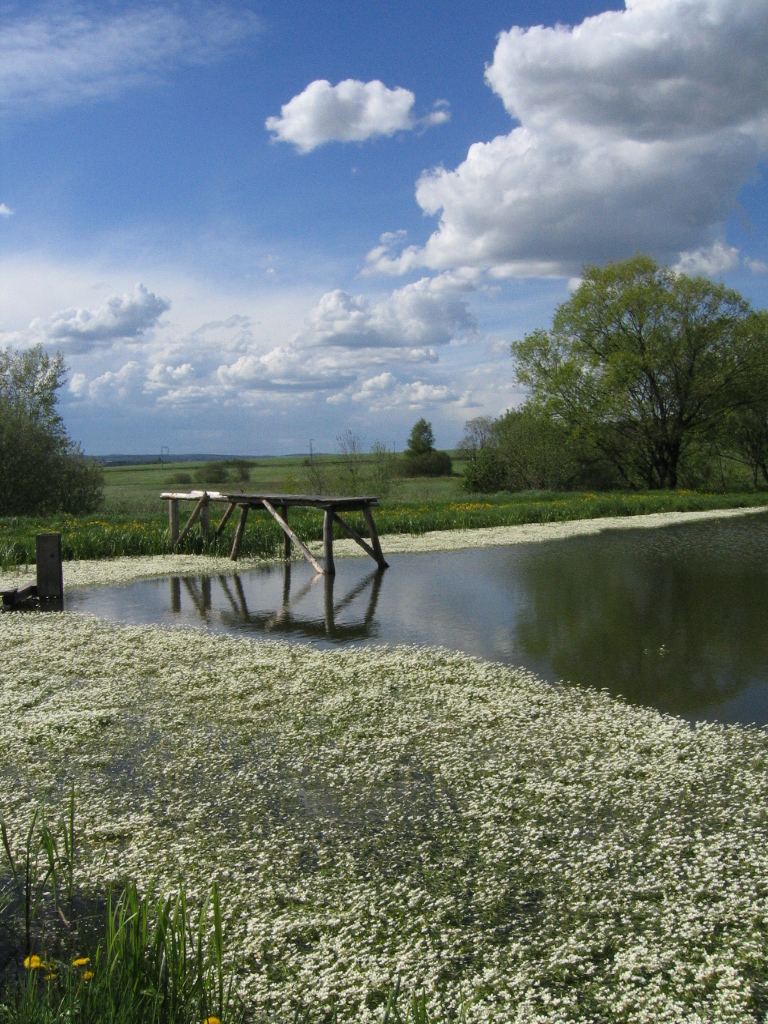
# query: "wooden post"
205, 517
50, 577
330, 624
173, 521
287, 536
330, 568
239, 533
379, 554
175, 594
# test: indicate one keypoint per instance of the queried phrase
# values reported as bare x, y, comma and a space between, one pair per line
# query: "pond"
675, 618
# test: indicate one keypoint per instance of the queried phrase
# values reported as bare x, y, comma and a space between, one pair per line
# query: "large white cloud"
119, 318
427, 313
351, 111
637, 129
62, 53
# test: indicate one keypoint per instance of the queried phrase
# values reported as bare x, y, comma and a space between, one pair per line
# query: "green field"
134, 520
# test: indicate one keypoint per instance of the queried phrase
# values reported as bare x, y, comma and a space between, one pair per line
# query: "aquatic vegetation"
529, 852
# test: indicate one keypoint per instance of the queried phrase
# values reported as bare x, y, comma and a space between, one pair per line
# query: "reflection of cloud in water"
675, 617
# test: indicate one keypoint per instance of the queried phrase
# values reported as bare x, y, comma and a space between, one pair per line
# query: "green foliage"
421, 439
150, 959
116, 535
41, 469
430, 463
212, 473
641, 366
526, 450
182, 478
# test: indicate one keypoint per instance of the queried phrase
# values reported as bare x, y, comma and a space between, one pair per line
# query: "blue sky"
251, 224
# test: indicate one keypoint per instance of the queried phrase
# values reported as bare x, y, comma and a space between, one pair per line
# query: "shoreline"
126, 569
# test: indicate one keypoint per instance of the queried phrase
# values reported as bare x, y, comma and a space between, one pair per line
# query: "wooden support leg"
239, 533
286, 529
205, 519
355, 536
203, 503
330, 568
224, 520
173, 521
378, 553
287, 536
175, 594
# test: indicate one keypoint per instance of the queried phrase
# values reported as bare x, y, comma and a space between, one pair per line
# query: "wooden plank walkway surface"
277, 505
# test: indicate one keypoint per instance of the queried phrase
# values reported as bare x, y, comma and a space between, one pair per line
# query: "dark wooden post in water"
330, 568
50, 575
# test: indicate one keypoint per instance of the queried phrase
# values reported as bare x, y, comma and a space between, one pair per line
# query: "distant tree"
421, 459
41, 469
421, 438
642, 365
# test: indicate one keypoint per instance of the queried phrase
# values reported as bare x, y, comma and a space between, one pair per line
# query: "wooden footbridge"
277, 505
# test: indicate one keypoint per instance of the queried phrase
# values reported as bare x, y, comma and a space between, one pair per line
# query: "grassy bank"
533, 852
113, 533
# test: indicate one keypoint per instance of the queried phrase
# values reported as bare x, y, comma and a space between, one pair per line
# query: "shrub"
431, 463
212, 473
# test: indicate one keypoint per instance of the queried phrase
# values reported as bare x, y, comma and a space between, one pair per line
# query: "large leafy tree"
41, 469
642, 365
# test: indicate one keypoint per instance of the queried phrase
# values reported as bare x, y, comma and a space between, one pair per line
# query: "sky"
252, 225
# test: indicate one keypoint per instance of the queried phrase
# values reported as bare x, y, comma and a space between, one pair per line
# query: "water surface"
675, 618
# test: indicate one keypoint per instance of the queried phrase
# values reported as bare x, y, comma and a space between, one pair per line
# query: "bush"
212, 473
432, 463
181, 478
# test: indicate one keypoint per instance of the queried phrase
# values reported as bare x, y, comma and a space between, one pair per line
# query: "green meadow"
134, 520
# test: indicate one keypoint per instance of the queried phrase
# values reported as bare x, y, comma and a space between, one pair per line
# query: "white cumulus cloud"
5, 211
634, 131
119, 318
351, 111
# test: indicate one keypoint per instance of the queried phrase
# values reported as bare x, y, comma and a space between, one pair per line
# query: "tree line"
646, 379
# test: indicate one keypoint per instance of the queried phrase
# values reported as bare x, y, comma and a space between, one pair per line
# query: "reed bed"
515, 851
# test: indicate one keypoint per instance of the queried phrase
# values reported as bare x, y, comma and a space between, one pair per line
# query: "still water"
675, 618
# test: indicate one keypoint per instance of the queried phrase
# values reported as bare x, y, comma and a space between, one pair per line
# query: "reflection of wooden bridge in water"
277, 506
285, 620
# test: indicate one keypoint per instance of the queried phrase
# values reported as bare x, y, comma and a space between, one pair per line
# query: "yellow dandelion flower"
211, 1020
87, 975
51, 976
33, 962
81, 961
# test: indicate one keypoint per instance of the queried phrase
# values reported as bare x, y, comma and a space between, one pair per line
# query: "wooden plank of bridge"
193, 518
330, 568
239, 533
224, 520
286, 529
378, 553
